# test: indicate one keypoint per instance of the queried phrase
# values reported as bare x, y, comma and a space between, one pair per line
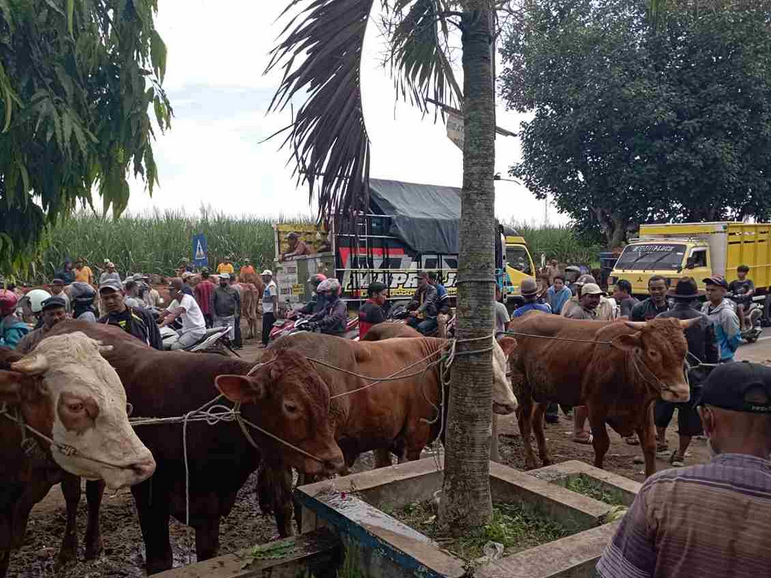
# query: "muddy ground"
246, 526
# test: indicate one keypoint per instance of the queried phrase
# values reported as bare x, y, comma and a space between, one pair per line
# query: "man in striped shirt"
711, 520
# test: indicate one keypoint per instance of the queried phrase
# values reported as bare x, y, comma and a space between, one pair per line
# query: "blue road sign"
200, 251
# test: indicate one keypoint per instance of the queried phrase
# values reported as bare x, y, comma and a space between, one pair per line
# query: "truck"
698, 250
407, 228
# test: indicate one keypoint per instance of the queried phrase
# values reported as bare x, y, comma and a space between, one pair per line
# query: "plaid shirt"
709, 521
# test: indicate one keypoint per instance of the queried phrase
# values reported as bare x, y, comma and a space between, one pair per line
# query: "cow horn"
36, 364
686, 323
636, 325
105, 348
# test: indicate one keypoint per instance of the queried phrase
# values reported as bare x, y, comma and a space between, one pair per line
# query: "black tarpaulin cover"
425, 217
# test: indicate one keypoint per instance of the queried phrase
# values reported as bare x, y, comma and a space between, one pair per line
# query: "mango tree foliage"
77, 78
637, 120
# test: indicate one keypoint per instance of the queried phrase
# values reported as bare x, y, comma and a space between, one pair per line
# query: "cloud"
213, 153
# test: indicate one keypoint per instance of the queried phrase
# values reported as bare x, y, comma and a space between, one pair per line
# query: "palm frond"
418, 31
320, 53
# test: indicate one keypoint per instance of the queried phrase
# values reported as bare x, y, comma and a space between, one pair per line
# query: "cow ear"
239, 388
628, 342
10, 387
508, 344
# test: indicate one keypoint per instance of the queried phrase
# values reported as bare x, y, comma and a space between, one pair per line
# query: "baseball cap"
718, 280
292, 235
730, 384
111, 284
592, 289
584, 279
57, 281
267, 272
225, 276
138, 276
53, 302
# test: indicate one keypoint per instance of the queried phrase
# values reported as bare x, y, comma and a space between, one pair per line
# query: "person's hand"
413, 313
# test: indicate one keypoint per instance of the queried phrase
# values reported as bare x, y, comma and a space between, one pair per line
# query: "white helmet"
36, 298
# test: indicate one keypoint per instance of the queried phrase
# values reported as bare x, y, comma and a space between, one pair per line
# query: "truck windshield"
518, 259
649, 256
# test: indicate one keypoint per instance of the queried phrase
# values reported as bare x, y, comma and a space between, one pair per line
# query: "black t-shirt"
371, 313
740, 288
137, 322
647, 310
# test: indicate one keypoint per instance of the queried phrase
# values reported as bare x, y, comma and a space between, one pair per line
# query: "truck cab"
519, 266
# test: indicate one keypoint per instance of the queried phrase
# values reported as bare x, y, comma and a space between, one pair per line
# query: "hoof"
93, 552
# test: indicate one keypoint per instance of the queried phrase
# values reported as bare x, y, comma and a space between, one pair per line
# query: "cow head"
504, 400
661, 347
68, 391
287, 398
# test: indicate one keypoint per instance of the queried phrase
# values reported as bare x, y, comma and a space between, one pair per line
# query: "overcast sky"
212, 155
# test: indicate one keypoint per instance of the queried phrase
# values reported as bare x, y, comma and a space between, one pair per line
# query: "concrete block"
575, 556
318, 552
561, 473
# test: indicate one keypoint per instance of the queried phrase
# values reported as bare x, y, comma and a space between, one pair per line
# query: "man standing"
711, 520
558, 294
204, 295
246, 269
226, 266
423, 306
133, 320
371, 313
57, 290
723, 318
623, 296
236, 286
83, 272
742, 290
131, 297
588, 302
54, 311
653, 305
502, 318
110, 273
193, 324
226, 302
269, 305
702, 347
529, 291
150, 296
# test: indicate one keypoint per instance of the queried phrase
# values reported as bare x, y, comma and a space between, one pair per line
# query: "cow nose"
335, 465
143, 469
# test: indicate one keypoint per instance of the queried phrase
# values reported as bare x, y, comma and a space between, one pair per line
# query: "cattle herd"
93, 402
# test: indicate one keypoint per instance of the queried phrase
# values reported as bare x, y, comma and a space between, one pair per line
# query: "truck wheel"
765, 321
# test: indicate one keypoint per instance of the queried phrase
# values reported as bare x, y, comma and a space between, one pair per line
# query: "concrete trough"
386, 548
562, 473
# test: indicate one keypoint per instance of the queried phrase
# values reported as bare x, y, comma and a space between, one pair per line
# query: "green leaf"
53, 4
70, 16
158, 53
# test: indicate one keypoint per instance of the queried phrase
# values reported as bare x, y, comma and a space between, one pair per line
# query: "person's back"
532, 306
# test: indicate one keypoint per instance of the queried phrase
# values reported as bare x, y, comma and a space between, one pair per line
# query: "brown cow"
66, 391
403, 415
616, 369
387, 330
250, 298
287, 400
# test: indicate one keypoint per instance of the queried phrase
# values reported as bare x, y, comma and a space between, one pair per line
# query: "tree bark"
466, 502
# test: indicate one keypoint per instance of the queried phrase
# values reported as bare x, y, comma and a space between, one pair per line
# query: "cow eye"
653, 353
290, 408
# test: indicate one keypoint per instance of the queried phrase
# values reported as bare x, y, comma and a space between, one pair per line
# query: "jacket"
334, 317
137, 322
646, 310
12, 330
226, 301
315, 305
557, 300
369, 314
726, 325
425, 300
702, 342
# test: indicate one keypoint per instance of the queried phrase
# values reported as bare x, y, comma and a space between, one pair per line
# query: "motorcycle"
289, 326
400, 311
215, 340
753, 314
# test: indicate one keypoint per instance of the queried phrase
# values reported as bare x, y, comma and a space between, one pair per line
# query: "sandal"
677, 460
584, 440
632, 440
662, 451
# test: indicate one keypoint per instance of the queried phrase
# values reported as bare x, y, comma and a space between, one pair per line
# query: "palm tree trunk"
466, 501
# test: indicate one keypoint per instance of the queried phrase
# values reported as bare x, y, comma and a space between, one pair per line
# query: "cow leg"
601, 441
69, 548
154, 522
537, 418
647, 434
94, 493
524, 418
207, 539
383, 458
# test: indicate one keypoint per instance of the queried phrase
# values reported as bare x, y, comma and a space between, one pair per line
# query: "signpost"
200, 251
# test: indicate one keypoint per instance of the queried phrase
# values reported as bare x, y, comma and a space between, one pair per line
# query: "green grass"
556, 242
155, 242
515, 525
595, 489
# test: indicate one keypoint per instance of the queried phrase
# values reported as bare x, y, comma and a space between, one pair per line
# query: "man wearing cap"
297, 247
723, 318
131, 294
702, 348
135, 321
371, 312
226, 266
226, 302
605, 310
204, 296
54, 311
246, 269
588, 303
57, 290
269, 305
654, 305
529, 290
193, 324
711, 520
110, 273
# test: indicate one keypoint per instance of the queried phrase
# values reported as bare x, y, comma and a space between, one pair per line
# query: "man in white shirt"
269, 305
193, 323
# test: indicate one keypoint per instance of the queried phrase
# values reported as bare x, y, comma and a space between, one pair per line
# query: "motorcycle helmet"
316, 280
35, 299
8, 302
